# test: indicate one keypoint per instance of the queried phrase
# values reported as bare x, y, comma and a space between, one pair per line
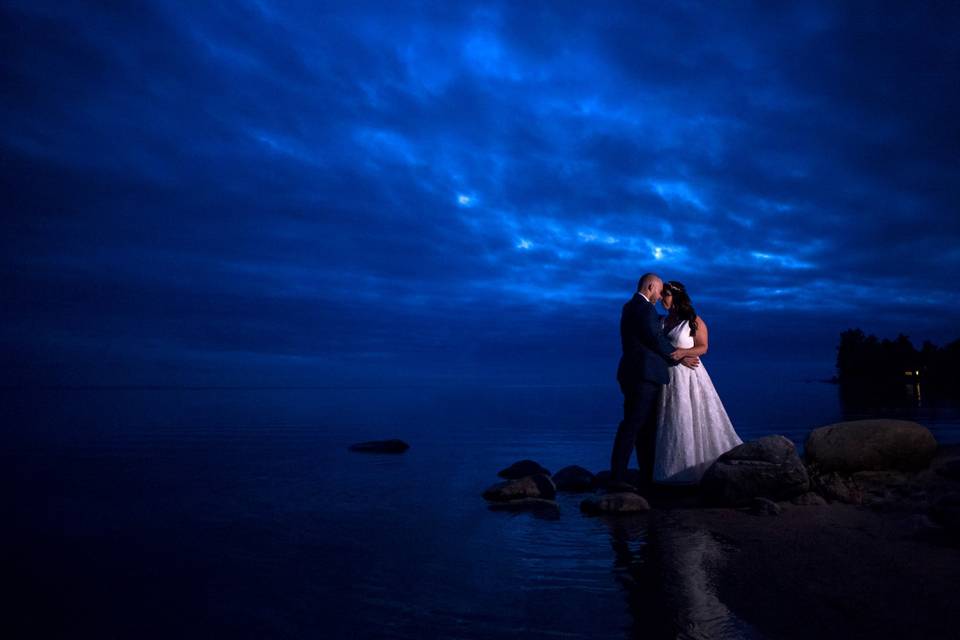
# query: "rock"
768, 467
809, 499
535, 486
626, 502
574, 479
869, 445
764, 507
618, 486
380, 446
836, 487
539, 507
521, 469
602, 478
946, 512
950, 469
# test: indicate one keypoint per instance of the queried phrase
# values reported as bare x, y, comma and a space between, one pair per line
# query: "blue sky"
333, 193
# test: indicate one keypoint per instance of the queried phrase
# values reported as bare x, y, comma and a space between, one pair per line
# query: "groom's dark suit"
642, 373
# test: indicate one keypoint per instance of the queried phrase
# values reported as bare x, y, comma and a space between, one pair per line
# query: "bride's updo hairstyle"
682, 304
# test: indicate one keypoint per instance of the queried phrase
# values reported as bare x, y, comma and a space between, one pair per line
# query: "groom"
642, 373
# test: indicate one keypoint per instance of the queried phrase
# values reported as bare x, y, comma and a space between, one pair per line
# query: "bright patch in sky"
783, 261
464, 200
677, 192
524, 244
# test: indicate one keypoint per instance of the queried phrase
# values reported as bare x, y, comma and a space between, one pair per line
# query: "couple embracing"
672, 415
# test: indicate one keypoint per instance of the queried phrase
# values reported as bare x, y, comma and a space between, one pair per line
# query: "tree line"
865, 358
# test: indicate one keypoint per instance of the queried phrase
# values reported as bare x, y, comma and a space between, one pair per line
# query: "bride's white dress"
693, 428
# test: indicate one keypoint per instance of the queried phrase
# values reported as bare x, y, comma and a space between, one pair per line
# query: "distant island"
866, 360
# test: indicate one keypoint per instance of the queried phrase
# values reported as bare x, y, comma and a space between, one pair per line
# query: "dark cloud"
302, 192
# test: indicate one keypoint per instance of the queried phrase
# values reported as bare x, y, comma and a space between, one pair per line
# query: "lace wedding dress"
693, 428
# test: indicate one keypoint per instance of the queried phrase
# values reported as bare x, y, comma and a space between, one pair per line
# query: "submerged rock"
574, 478
625, 502
768, 467
380, 446
870, 445
522, 468
534, 486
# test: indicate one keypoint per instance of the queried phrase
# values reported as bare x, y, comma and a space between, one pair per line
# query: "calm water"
240, 512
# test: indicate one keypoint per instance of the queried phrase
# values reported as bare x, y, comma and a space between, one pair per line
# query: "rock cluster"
530, 487
878, 463
883, 464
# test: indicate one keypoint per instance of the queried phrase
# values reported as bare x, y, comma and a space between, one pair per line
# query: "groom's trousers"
637, 431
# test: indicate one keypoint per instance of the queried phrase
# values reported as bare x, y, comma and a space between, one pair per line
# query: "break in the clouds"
305, 192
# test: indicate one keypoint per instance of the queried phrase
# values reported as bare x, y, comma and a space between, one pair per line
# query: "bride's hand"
691, 362
678, 354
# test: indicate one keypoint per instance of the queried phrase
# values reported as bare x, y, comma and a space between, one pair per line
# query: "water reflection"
936, 408
667, 572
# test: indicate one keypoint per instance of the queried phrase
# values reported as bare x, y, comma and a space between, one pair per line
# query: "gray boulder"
574, 478
625, 502
522, 468
535, 486
870, 445
768, 467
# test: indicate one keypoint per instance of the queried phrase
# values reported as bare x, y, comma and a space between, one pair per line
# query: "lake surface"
241, 513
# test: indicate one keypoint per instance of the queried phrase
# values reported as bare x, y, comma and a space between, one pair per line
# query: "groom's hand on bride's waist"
690, 361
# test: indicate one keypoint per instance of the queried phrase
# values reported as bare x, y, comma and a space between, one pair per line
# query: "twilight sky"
337, 193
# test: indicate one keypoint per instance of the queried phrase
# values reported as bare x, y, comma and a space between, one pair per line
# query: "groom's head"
651, 286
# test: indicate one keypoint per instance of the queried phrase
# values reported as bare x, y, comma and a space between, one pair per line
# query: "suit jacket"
646, 351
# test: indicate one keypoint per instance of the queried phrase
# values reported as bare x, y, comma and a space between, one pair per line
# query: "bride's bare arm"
699, 343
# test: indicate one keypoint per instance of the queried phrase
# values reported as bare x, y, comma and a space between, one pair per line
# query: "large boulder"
768, 468
535, 486
574, 479
624, 502
380, 446
870, 445
522, 468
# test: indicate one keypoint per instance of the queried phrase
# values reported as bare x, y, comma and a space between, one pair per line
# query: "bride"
693, 428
